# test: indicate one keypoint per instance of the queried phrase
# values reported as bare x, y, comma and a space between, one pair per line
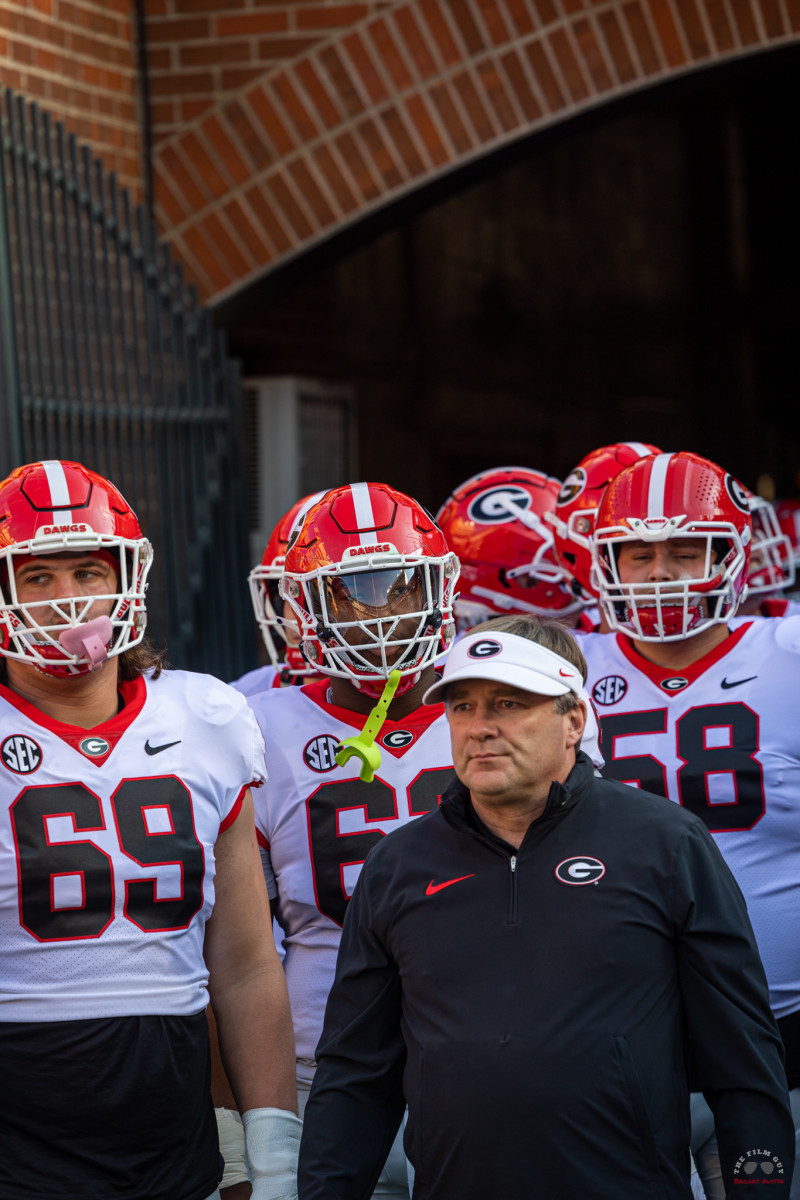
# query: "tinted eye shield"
367, 594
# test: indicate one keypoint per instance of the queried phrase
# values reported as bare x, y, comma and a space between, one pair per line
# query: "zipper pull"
513, 863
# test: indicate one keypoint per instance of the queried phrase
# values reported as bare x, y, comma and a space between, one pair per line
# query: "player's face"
508, 744
662, 562
382, 596
44, 582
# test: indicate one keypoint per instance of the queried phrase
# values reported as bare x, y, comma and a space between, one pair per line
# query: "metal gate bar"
106, 357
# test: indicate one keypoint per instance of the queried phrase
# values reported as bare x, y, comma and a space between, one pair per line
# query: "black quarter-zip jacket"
536, 1008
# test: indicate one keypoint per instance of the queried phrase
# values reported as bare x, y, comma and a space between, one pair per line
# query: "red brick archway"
400, 98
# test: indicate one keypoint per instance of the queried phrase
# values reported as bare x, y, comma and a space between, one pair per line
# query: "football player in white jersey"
692, 709
286, 663
130, 883
370, 579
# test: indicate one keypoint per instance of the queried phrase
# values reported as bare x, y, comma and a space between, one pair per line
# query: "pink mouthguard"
89, 640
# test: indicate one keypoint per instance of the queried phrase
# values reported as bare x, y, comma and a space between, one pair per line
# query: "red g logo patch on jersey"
397, 739
95, 747
318, 754
21, 754
675, 683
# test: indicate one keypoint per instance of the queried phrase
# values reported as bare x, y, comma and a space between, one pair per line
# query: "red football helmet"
680, 496
264, 581
49, 508
493, 522
370, 578
788, 514
772, 566
576, 509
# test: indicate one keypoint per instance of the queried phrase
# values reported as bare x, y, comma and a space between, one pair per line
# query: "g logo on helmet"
572, 486
737, 493
484, 649
580, 870
497, 505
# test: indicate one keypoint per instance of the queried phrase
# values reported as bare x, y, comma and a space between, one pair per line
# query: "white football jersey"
319, 821
107, 847
722, 738
256, 681
776, 606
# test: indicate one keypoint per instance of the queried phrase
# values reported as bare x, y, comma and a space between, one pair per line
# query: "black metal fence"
107, 359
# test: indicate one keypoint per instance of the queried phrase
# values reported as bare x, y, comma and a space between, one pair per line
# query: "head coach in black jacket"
532, 967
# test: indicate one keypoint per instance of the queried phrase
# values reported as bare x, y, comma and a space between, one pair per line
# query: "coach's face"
510, 745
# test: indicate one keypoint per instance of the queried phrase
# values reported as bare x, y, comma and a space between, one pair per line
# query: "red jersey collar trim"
417, 722
691, 673
134, 694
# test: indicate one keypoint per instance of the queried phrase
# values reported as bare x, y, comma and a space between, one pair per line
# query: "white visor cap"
507, 658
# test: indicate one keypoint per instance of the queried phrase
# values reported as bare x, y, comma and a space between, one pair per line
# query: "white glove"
272, 1143
231, 1146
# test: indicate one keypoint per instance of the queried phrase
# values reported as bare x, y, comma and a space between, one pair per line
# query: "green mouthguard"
363, 746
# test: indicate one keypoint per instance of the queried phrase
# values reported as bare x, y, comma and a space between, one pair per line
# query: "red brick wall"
78, 59
201, 51
413, 89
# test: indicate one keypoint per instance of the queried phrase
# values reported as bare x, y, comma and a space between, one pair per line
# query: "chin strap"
272, 1143
363, 746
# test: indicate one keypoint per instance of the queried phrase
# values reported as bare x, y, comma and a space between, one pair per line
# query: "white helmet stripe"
59, 490
640, 448
365, 518
658, 482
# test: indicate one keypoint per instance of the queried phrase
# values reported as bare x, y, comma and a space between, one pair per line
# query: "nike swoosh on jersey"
737, 682
148, 749
433, 888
